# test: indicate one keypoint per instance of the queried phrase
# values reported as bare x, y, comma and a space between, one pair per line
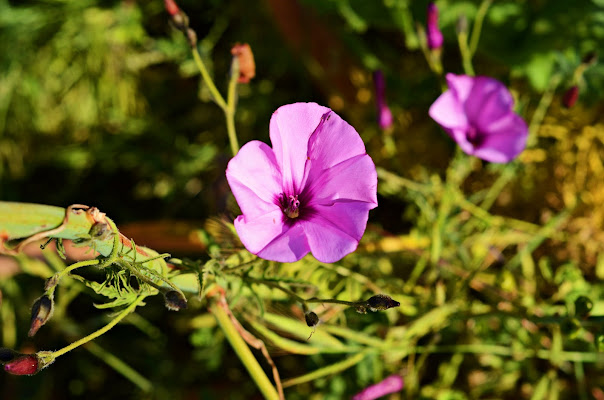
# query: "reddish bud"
27, 364
570, 97
247, 66
384, 115
171, 7
40, 313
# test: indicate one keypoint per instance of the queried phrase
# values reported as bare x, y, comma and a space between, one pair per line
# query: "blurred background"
101, 104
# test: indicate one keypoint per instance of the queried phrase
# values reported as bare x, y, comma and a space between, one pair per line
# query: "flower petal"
334, 141
353, 179
448, 112
255, 179
327, 242
349, 217
290, 129
290, 246
460, 85
505, 141
489, 101
255, 233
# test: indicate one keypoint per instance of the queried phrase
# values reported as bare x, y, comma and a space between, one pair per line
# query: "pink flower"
392, 384
384, 113
433, 34
477, 113
311, 192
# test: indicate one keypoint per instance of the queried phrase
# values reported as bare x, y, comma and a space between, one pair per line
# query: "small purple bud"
433, 34
391, 384
40, 314
570, 96
384, 115
175, 301
27, 364
381, 302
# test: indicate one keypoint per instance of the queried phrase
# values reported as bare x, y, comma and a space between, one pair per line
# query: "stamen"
290, 206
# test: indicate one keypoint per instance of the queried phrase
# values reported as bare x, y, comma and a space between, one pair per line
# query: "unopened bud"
247, 66
175, 301
40, 313
171, 7
7, 355
26, 364
583, 306
433, 34
381, 302
312, 319
570, 96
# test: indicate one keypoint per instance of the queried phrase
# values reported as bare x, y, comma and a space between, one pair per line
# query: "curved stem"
208, 80
101, 331
476, 29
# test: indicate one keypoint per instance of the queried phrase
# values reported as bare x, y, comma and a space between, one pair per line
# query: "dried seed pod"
40, 314
312, 319
381, 302
175, 301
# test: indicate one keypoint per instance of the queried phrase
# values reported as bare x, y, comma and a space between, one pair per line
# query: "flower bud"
247, 66
570, 96
171, 7
381, 302
26, 364
40, 313
583, 306
384, 115
175, 301
433, 34
312, 319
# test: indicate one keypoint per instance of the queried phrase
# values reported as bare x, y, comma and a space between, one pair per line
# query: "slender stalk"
120, 367
244, 353
208, 80
229, 112
101, 331
466, 55
476, 29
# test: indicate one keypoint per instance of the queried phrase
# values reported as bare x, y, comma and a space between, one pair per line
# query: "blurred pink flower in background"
433, 34
384, 116
392, 384
477, 113
311, 192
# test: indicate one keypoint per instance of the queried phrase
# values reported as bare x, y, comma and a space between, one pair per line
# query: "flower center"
475, 137
290, 205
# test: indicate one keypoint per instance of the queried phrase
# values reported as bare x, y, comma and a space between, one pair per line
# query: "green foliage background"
101, 104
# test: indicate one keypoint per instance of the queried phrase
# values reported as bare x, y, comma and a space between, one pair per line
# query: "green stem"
101, 331
466, 55
229, 112
476, 29
244, 353
121, 367
208, 80
539, 113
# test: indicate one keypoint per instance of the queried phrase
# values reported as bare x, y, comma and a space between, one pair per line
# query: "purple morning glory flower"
384, 116
311, 192
433, 34
477, 113
392, 384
